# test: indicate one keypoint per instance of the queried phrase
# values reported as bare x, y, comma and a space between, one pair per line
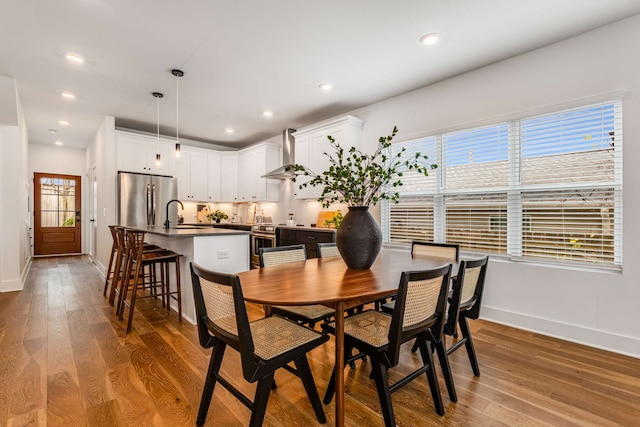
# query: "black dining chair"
265, 345
419, 314
446, 251
305, 314
465, 304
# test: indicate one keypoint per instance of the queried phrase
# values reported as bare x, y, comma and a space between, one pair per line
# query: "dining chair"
328, 250
265, 345
446, 251
465, 304
420, 314
305, 314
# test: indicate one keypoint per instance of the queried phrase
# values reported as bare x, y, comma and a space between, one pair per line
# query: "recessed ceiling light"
68, 95
63, 122
229, 130
53, 131
74, 59
59, 143
325, 86
267, 113
430, 39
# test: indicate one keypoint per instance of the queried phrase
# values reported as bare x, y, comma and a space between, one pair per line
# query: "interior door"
57, 214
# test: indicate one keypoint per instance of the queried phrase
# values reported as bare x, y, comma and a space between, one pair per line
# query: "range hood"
288, 158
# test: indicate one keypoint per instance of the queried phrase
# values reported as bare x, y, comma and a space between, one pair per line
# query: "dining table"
328, 281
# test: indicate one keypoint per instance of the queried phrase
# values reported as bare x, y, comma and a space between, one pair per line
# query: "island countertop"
194, 231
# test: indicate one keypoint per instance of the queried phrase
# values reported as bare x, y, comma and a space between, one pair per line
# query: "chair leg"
260, 401
427, 359
304, 371
109, 273
466, 334
384, 394
446, 370
331, 387
210, 382
415, 346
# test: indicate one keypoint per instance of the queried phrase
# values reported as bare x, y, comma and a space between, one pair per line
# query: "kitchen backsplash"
304, 211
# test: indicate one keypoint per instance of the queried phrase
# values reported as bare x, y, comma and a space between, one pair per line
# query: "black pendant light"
158, 95
178, 74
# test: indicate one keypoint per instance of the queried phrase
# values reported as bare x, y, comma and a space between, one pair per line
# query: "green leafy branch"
358, 179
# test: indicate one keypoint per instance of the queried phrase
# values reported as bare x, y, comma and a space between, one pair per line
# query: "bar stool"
134, 281
117, 263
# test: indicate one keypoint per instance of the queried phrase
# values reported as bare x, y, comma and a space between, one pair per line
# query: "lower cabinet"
310, 238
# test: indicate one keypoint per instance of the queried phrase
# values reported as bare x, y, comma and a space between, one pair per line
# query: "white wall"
596, 308
14, 253
101, 154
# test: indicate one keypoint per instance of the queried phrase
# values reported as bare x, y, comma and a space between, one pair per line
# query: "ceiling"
243, 57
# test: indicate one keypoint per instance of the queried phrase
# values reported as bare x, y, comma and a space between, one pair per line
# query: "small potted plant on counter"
359, 180
217, 215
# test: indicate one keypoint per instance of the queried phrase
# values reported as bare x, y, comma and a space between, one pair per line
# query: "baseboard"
16, 284
609, 341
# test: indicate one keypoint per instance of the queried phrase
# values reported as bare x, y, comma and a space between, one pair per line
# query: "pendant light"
178, 74
158, 95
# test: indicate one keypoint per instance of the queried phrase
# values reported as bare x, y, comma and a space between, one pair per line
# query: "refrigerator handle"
153, 204
148, 204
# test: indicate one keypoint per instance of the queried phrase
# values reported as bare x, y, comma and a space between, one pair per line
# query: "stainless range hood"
288, 157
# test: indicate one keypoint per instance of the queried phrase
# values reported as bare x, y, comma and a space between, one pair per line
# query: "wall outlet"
224, 254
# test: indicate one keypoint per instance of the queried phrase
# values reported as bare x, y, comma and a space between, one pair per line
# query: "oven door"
261, 241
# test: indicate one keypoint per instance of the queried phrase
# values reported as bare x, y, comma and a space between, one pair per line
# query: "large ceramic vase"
359, 238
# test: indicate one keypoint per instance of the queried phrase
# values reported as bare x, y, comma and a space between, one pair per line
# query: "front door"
56, 214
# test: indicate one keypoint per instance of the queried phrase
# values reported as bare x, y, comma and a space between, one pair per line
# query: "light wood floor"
65, 360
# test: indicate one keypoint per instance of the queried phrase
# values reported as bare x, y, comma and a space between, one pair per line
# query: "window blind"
411, 219
477, 222
476, 158
571, 225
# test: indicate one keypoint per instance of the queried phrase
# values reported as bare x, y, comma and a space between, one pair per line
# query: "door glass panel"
57, 202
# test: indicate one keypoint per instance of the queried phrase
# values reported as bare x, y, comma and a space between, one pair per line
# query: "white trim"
604, 340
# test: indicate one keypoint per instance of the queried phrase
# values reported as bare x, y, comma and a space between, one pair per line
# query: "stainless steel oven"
263, 236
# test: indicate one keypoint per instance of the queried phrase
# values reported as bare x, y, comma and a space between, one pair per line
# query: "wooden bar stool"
118, 261
137, 260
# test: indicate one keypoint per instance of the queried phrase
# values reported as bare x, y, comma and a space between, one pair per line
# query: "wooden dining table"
328, 281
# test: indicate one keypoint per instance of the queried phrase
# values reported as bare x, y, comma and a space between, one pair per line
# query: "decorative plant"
217, 215
335, 220
358, 179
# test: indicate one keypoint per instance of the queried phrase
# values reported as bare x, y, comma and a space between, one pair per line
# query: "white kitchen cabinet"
228, 176
191, 171
213, 176
253, 162
312, 143
137, 153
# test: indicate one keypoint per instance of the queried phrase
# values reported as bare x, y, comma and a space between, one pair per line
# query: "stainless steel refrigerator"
142, 199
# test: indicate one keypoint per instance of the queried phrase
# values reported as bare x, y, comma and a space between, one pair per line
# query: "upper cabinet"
204, 175
253, 162
192, 170
137, 153
312, 143
228, 177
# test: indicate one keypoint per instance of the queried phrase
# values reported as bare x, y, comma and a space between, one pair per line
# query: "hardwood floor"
65, 360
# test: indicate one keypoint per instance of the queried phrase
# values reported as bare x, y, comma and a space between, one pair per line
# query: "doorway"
57, 214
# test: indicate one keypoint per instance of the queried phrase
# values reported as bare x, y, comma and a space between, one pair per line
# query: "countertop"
193, 231
321, 229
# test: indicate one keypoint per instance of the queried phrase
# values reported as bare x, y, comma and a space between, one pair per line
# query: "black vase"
359, 238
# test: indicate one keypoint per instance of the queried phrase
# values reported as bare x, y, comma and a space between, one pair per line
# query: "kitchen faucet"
167, 222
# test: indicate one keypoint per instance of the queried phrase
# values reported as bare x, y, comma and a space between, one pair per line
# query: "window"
545, 188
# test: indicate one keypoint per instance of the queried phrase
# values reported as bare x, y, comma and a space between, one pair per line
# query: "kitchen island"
223, 250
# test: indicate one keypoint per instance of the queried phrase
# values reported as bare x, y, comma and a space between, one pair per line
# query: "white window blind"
411, 219
570, 225
476, 158
544, 188
477, 222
